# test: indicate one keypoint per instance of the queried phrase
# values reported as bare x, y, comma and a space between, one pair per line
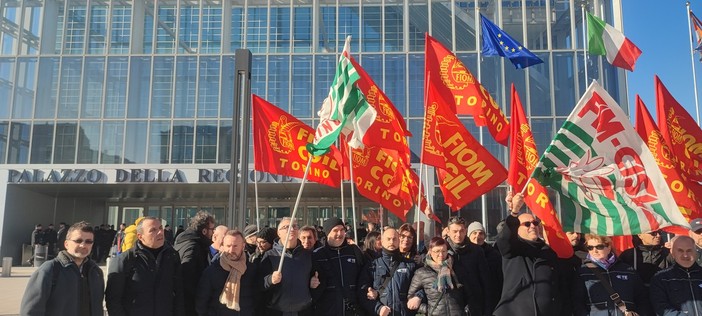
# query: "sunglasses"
528, 224
654, 233
81, 241
598, 247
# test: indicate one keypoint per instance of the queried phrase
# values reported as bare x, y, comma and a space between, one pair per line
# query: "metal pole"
582, 6
240, 137
292, 217
343, 209
353, 200
692, 60
417, 204
258, 215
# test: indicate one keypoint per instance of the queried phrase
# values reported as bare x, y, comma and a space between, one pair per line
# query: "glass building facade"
106, 83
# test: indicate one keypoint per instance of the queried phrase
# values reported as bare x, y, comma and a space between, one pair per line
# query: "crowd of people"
213, 270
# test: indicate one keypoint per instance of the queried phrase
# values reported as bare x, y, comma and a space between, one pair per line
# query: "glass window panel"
466, 33
540, 88
183, 133
395, 81
98, 29
372, 28
135, 142
165, 31
416, 86
564, 75
211, 38
122, 27
259, 75
418, 24
75, 29
394, 25
257, 30
491, 70
148, 42
301, 99
537, 19
47, 88
161, 97
65, 143
279, 30
60, 19
518, 77
206, 142
325, 68
302, 28
512, 20
225, 141
327, 28
237, 38
416, 127
159, 141
25, 81
227, 103
93, 87
69, 89
4, 136
185, 88
7, 66
208, 88
88, 142
189, 27
139, 83
11, 15
561, 34
373, 64
441, 22
542, 128
116, 87
349, 24
112, 142
42, 142
278, 81
18, 151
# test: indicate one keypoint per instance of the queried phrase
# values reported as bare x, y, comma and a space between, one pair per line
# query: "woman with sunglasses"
592, 297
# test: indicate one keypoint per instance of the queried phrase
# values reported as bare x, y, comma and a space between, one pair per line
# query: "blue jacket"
292, 294
590, 297
677, 291
395, 295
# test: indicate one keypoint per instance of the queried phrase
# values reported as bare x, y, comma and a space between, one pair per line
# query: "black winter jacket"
590, 297
395, 295
472, 271
494, 261
338, 270
448, 303
48, 294
677, 291
195, 256
140, 284
292, 294
647, 260
532, 276
210, 288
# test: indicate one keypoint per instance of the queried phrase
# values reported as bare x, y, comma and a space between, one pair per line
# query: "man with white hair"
217, 238
678, 289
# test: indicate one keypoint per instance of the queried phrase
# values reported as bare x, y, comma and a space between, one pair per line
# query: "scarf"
604, 263
232, 287
444, 272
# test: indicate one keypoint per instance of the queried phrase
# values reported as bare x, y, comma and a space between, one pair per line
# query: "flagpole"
417, 204
692, 60
258, 217
353, 200
582, 6
343, 209
292, 217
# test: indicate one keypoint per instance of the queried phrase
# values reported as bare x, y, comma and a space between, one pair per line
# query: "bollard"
41, 253
6, 267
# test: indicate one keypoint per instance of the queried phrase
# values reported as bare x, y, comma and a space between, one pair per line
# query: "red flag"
389, 129
451, 78
279, 146
466, 169
687, 194
523, 160
681, 132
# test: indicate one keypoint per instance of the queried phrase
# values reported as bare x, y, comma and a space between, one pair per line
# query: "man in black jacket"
648, 255
193, 246
678, 289
338, 265
61, 236
476, 235
146, 279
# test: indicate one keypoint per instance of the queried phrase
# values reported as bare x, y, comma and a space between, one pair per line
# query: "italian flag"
603, 39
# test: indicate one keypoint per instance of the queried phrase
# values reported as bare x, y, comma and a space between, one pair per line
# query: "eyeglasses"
528, 224
598, 247
294, 227
81, 241
654, 233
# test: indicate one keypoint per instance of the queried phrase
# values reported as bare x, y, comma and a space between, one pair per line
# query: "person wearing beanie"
338, 265
250, 237
476, 236
264, 242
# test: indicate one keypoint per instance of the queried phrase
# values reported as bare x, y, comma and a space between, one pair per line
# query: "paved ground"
12, 289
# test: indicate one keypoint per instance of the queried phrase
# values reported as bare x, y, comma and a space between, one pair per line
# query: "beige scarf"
232, 287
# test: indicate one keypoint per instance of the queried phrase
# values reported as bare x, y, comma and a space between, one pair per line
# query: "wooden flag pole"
292, 217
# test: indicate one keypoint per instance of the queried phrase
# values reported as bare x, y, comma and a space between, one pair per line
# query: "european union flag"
497, 42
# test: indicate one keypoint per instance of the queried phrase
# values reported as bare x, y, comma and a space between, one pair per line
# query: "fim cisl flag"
608, 180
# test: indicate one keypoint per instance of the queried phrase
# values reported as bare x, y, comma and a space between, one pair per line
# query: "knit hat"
250, 230
475, 226
330, 223
268, 234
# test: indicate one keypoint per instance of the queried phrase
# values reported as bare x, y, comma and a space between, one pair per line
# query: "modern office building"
110, 110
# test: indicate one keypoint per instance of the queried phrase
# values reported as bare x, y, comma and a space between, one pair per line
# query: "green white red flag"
608, 180
605, 40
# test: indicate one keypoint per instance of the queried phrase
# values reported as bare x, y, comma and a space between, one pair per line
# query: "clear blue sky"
659, 28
